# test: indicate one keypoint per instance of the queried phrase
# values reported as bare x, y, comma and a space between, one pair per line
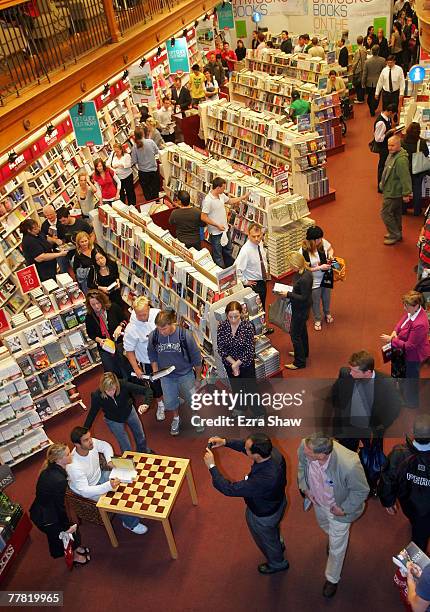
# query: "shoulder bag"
420, 163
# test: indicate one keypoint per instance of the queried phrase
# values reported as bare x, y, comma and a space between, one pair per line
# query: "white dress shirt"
84, 472
380, 129
411, 317
397, 78
136, 335
165, 121
121, 165
248, 262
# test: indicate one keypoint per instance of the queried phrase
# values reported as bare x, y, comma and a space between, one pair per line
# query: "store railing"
40, 37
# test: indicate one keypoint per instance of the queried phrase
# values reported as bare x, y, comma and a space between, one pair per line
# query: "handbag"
339, 269
280, 313
374, 147
420, 163
327, 279
398, 364
372, 459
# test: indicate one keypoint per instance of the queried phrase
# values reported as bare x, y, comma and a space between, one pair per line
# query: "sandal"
79, 563
83, 550
317, 325
329, 318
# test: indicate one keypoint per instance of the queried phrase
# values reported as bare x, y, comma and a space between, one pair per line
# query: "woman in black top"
104, 274
187, 221
115, 398
240, 51
48, 511
105, 320
410, 143
301, 300
37, 250
382, 42
83, 260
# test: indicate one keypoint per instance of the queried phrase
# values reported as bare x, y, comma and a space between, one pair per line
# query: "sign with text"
224, 12
28, 279
205, 36
141, 84
4, 322
86, 124
177, 55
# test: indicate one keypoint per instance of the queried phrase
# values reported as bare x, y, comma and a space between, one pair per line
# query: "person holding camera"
263, 490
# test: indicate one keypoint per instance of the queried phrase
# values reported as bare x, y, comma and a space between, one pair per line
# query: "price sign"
4, 323
28, 279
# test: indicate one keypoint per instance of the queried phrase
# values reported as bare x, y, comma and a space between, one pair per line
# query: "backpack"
182, 341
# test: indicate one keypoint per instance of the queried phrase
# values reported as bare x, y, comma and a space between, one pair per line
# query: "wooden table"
152, 495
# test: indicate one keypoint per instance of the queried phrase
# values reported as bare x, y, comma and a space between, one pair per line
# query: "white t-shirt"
84, 472
315, 261
215, 210
121, 166
136, 335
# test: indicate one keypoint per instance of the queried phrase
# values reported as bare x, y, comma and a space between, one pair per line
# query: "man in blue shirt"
171, 345
263, 490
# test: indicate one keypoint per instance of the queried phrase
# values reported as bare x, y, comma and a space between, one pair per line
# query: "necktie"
390, 81
263, 267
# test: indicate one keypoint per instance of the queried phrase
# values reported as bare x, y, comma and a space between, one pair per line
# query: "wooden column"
111, 21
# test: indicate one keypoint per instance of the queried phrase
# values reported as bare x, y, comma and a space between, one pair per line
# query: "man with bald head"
396, 187
49, 229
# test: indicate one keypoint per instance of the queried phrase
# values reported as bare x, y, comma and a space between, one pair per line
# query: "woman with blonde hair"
86, 193
48, 511
154, 133
114, 398
83, 262
301, 299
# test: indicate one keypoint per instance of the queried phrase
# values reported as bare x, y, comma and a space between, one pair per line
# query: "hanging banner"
28, 279
245, 8
205, 36
177, 55
224, 12
86, 124
141, 84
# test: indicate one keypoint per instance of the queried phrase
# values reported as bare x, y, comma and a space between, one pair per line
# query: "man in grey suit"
372, 69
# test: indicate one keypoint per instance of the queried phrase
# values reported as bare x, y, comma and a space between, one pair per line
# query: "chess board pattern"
154, 492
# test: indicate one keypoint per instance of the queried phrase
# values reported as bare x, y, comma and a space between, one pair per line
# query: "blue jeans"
63, 264
176, 386
130, 521
120, 433
222, 255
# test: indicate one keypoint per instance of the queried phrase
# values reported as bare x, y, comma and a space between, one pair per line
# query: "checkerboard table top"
153, 494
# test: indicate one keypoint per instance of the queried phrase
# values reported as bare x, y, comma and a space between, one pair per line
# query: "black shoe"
329, 589
269, 331
264, 568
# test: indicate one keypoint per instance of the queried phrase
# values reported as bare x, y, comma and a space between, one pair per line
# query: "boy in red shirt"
229, 56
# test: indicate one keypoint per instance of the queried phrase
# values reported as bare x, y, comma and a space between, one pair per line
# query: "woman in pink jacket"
410, 336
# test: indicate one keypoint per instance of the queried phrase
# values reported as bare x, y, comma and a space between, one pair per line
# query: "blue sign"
178, 55
224, 13
86, 124
417, 74
256, 17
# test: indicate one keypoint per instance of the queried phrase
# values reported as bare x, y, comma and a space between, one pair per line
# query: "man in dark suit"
286, 42
372, 69
180, 95
366, 403
343, 54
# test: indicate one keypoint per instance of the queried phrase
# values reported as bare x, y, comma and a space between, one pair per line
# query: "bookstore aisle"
216, 568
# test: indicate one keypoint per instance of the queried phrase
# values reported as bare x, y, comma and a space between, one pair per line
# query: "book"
109, 346
281, 288
48, 379
14, 343
70, 320
40, 359
76, 340
83, 359
157, 375
31, 336
34, 386
63, 373
412, 553
123, 469
72, 364
26, 365
46, 329
54, 352
81, 313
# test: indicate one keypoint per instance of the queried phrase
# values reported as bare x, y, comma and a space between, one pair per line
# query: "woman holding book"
114, 397
83, 262
318, 252
38, 251
48, 511
104, 276
107, 180
104, 324
236, 346
120, 162
87, 193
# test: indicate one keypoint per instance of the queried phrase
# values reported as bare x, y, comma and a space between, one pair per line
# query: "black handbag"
398, 364
372, 459
374, 147
327, 279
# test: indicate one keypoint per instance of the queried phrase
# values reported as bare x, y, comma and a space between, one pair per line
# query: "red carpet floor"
216, 568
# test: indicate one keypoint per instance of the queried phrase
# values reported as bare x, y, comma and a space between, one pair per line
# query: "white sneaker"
139, 529
160, 416
174, 427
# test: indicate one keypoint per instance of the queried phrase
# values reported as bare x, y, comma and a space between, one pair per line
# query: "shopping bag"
339, 269
327, 279
387, 352
67, 538
401, 582
420, 163
280, 314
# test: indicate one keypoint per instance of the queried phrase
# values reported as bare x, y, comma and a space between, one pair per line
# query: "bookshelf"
275, 151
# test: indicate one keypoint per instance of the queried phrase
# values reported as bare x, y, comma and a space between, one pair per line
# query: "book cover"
54, 352
43, 408
76, 340
75, 293
48, 379
72, 364
412, 553
57, 324
63, 373
83, 359
62, 299
46, 329
26, 365
34, 386
70, 320
14, 343
81, 313
40, 359
31, 336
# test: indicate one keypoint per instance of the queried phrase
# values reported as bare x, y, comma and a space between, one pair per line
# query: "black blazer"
301, 295
184, 98
386, 402
114, 318
48, 506
343, 57
117, 409
383, 47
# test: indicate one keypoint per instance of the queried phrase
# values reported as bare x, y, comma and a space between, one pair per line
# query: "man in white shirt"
166, 124
142, 323
300, 47
214, 215
252, 267
86, 477
392, 84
